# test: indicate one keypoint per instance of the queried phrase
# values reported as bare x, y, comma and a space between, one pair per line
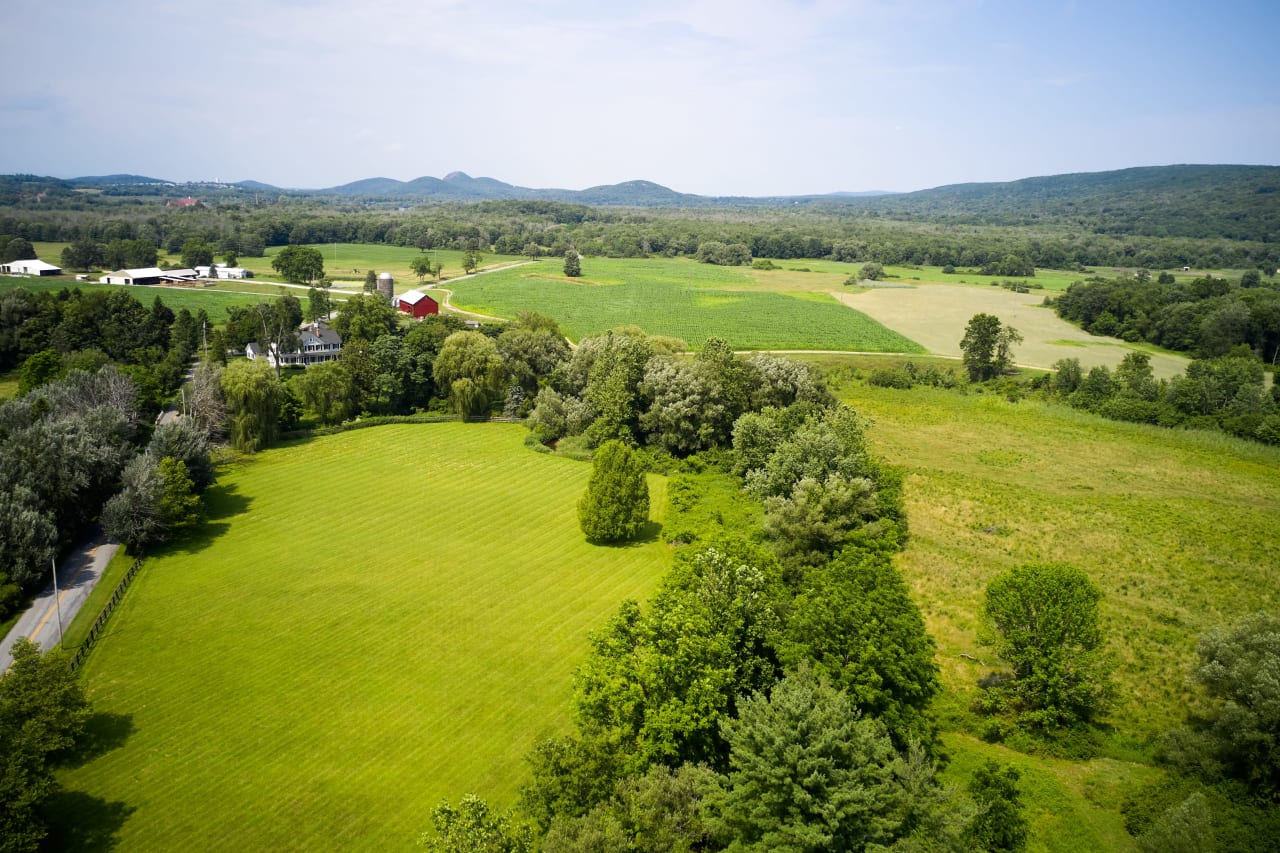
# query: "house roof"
322, 333
413, 297
141, 272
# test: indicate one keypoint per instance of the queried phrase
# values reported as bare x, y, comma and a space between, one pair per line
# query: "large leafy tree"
1240, 737
616, 503
299, 264
472, 359
365, 318
987, 347
659, 683
1044, 624
253, 395
855, 622
42, 712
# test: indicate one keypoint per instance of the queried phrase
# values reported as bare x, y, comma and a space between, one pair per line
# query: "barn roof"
413, 297
34, 264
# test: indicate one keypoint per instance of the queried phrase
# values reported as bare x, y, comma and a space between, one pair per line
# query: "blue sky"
720, 98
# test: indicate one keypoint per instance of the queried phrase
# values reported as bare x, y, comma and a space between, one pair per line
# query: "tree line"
1207, 317
511, 228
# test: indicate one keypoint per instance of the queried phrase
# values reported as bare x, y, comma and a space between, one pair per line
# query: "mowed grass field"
682, 299
214, 302
369, 622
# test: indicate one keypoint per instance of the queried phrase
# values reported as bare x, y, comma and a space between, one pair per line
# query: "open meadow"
1178, 529
678, 298
367, 623
936, 315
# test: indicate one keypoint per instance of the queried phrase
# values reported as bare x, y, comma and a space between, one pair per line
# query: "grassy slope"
372, 621
1177, 528
683, 299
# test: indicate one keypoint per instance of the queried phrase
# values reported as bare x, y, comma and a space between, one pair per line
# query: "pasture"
215, 302
342, 260
678, 298
1178, 528
936, 315
368, 622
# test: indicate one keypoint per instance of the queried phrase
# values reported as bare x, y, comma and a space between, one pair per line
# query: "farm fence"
107, 609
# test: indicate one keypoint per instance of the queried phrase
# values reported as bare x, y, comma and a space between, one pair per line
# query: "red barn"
417, 304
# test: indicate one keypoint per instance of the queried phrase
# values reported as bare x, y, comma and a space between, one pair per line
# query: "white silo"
387, 286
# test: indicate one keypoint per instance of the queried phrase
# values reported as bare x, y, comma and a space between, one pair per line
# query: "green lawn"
683, 299
369, 622
214, 302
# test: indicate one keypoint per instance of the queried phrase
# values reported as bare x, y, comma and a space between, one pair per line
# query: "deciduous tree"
987, 347
1044, 624
299, 264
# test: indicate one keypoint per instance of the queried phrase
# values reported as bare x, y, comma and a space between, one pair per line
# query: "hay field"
936, 315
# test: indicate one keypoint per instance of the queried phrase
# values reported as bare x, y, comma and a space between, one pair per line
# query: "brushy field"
1178, 529
679, 298
936, 316
369, 622
214, 302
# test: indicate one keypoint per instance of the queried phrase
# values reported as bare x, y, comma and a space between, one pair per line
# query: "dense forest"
1202, 216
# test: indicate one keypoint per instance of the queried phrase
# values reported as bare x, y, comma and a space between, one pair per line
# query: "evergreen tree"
572, 263
616, 503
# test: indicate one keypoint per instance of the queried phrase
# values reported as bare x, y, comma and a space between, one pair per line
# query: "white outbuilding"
31, 266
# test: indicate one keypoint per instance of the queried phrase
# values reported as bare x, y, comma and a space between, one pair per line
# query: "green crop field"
1178, 529
369, 622
678, 298
214, 302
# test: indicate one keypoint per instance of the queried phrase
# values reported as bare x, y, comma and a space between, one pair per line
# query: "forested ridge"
1156, 217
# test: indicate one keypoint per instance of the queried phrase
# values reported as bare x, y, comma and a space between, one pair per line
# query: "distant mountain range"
1221, 201
461, 187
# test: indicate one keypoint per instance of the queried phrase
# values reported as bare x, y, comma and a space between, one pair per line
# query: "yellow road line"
62, 594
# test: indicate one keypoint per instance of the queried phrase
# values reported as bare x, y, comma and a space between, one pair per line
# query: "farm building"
30, 266
319, 343
417, 304
223, 271
188, 201
148, 275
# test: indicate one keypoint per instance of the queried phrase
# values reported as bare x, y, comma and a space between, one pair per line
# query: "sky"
716, 97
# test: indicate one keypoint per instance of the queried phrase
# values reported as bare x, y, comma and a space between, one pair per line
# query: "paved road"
77, 576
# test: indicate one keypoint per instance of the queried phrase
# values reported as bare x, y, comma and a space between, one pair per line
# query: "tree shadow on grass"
648, 533
79, 821
103, 733
220, 502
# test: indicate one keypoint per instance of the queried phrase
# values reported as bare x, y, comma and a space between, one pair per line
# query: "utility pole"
57, 603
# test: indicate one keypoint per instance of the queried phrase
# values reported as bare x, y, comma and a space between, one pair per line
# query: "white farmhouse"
319, 344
